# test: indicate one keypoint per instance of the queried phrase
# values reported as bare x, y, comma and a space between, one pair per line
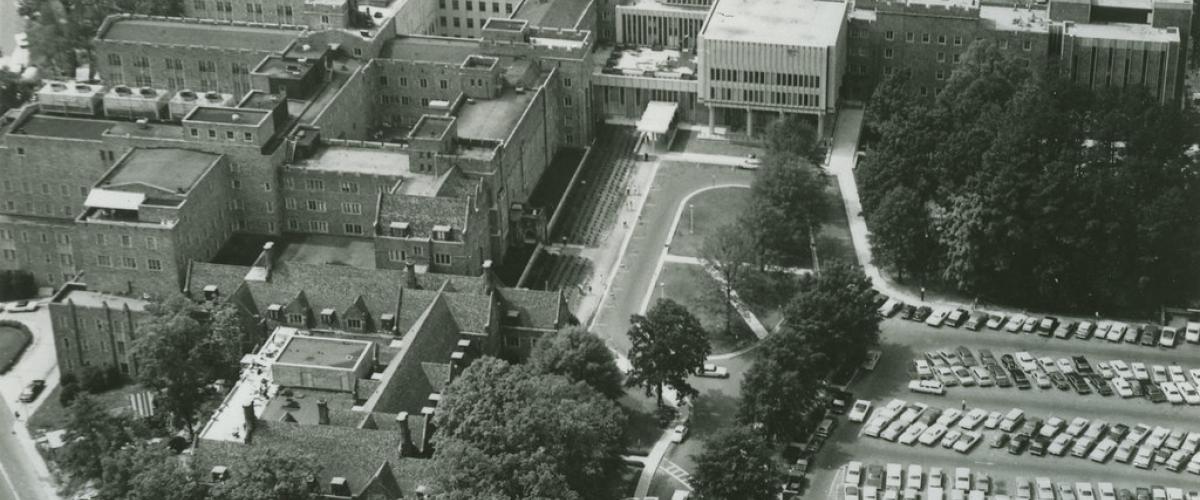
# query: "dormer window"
399, 229
441, 233
328, 317
354, 324
295, 319
275, 311
210, 292
387, 321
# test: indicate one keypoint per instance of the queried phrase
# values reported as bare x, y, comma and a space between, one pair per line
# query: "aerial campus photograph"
599, 249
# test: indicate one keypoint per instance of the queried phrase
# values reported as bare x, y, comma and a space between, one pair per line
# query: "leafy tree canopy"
508, 432
669, 345
581, 357
737, 464
841, 301
264, 473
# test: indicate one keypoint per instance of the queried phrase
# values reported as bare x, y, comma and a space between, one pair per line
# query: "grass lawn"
833, 242
12, 343
711, 209
53, 415
690, 286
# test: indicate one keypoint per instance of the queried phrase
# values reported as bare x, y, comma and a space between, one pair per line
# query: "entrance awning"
657, 118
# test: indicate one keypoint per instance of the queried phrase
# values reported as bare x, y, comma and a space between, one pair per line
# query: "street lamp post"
692, 218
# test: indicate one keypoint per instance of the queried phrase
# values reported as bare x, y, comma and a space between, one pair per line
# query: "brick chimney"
322, 412
406, 444
466, 346
427, 430
410, 275
250, 420
339, 486
493, 281
261, 270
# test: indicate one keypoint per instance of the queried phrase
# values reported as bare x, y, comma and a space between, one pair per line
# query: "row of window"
125, 241
11, 206
888, 53
176, 64
443, 259
27, 188
348, 207
319, 185
471, 6
229, 135
760, 96
127, 262
911, 37
764, 78
64, 239
320, 226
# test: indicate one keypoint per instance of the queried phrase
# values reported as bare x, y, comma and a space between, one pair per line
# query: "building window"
397, 255
319, 226
212, 134
942, 39
152, 243
126, 241
195, 132
352, 208
267, 187
508, 8
10, 254
957, 57
941, 57
958, 40
314, 185
154, 264
940, 75
316, 206
248, 137
1004, 44
1027, 45
324, 19
470, 21
289, 203
887, 53
130, 262
229, 135
924, 37
441, 258
354, 324
349, 187
908, 37
295, 319
457, 24
353, 228
293, 224
889, 35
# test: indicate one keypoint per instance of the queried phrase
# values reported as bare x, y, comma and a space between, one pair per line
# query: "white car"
1014, 418
983, 376
1060, 445
964, 376
932, 435
993, 420
752, 162
1026, 361
1022, 488
1015, 323
973, 419
854, 473
1085, 492
1168, 337
946, 376
962, 478
22, 306
1195, 374
922, 369
1176, 373
936, 478
1103, 451
1105, 370
1045, 489
949, 417
1171, 391
1190, 394
937, 318
950, 438
1047, 363
860, 410
1139, 371
967, 441
1193, 465
915, 477
1065, 365
1117, 332
927, 387
713, 371
679, 433
1144, 457
1051, 427
911, 434
892, 432
894, 477
890, 308
1157, 437
1078, 425
1106, 491
1158, 373
1192, 332
1123, 387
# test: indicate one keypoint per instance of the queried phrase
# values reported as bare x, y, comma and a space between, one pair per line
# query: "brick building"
93, 329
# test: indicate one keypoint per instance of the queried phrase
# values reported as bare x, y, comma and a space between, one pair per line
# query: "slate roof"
538, 309
472, 312
423, 212
355, 454
226, 277
178, 31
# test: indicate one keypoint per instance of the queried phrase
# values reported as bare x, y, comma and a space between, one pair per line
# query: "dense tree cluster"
669, 345
16, 284
581, 357
787, 199
830, 323
737, 464
509, 432
1017, 186
184, 347
60, 30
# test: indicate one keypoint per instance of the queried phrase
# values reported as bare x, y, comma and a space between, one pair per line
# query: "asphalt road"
902, 341
10, 25
18, 480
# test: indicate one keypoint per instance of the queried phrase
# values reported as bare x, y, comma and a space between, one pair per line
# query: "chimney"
406, 445
422, 492
261, 270
339, 487
410, 275
427, 430
219, 473
322, 412
457, 359
492, 280
250, 419
210, 292
465, 346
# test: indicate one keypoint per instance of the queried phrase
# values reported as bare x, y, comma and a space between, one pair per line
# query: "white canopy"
119, 200
657, 118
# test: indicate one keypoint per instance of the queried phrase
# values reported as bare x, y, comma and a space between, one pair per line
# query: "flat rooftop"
430, 48
169, 169
783, 22
322, 351
1122, 31
391, 162
244, 116
552, 13
493, 118
208, 34
636, 62
1019, 20
432, 127
86, 298
63, 127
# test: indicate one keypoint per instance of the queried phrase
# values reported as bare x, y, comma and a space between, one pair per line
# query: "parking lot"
904, 341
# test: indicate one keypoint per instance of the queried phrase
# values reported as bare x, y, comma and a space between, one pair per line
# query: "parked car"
679, 433
997, 321
975, 322
1169, 336
1084, 330
957, 317
922, 313
872, 360
1133, 334
31, 391
860, 410
1059, 446
1015, 323
936, 318
22, 306
967, 441
890, 307
1150, 335
999, 441
1018, 444
1192, 332
1047, 324
1065, 330
1103, 451
927, 387
713, 371
1030, 324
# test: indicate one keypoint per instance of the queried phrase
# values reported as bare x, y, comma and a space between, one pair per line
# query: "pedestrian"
922, 294
964, 405
975, 304
18, 414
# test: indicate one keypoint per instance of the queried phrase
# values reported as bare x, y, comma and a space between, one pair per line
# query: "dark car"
1031, 427
1020, 379
1082, 365
1153, 393
1060, 381
1124, 494
31, 391
1000, 376
878, 299
1083, 331
1143, 494
874, 476
909, 312
1137, 389
922, 313
1017, 444
1047, 325
1079, 383
1118, 432
968, 359
1150, 334
1101, 385
1000, 441
1009, 362
1038, 446
976, 321
987, 358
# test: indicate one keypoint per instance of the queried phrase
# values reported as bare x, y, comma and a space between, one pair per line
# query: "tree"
729, 252
842, 301
788, 200
900, 228
508, 432
783, 386
59, 29
580, 356
796, 136
92, 434
17, 284
148, 472
265, 474
183, 347
669, 345
737, 464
